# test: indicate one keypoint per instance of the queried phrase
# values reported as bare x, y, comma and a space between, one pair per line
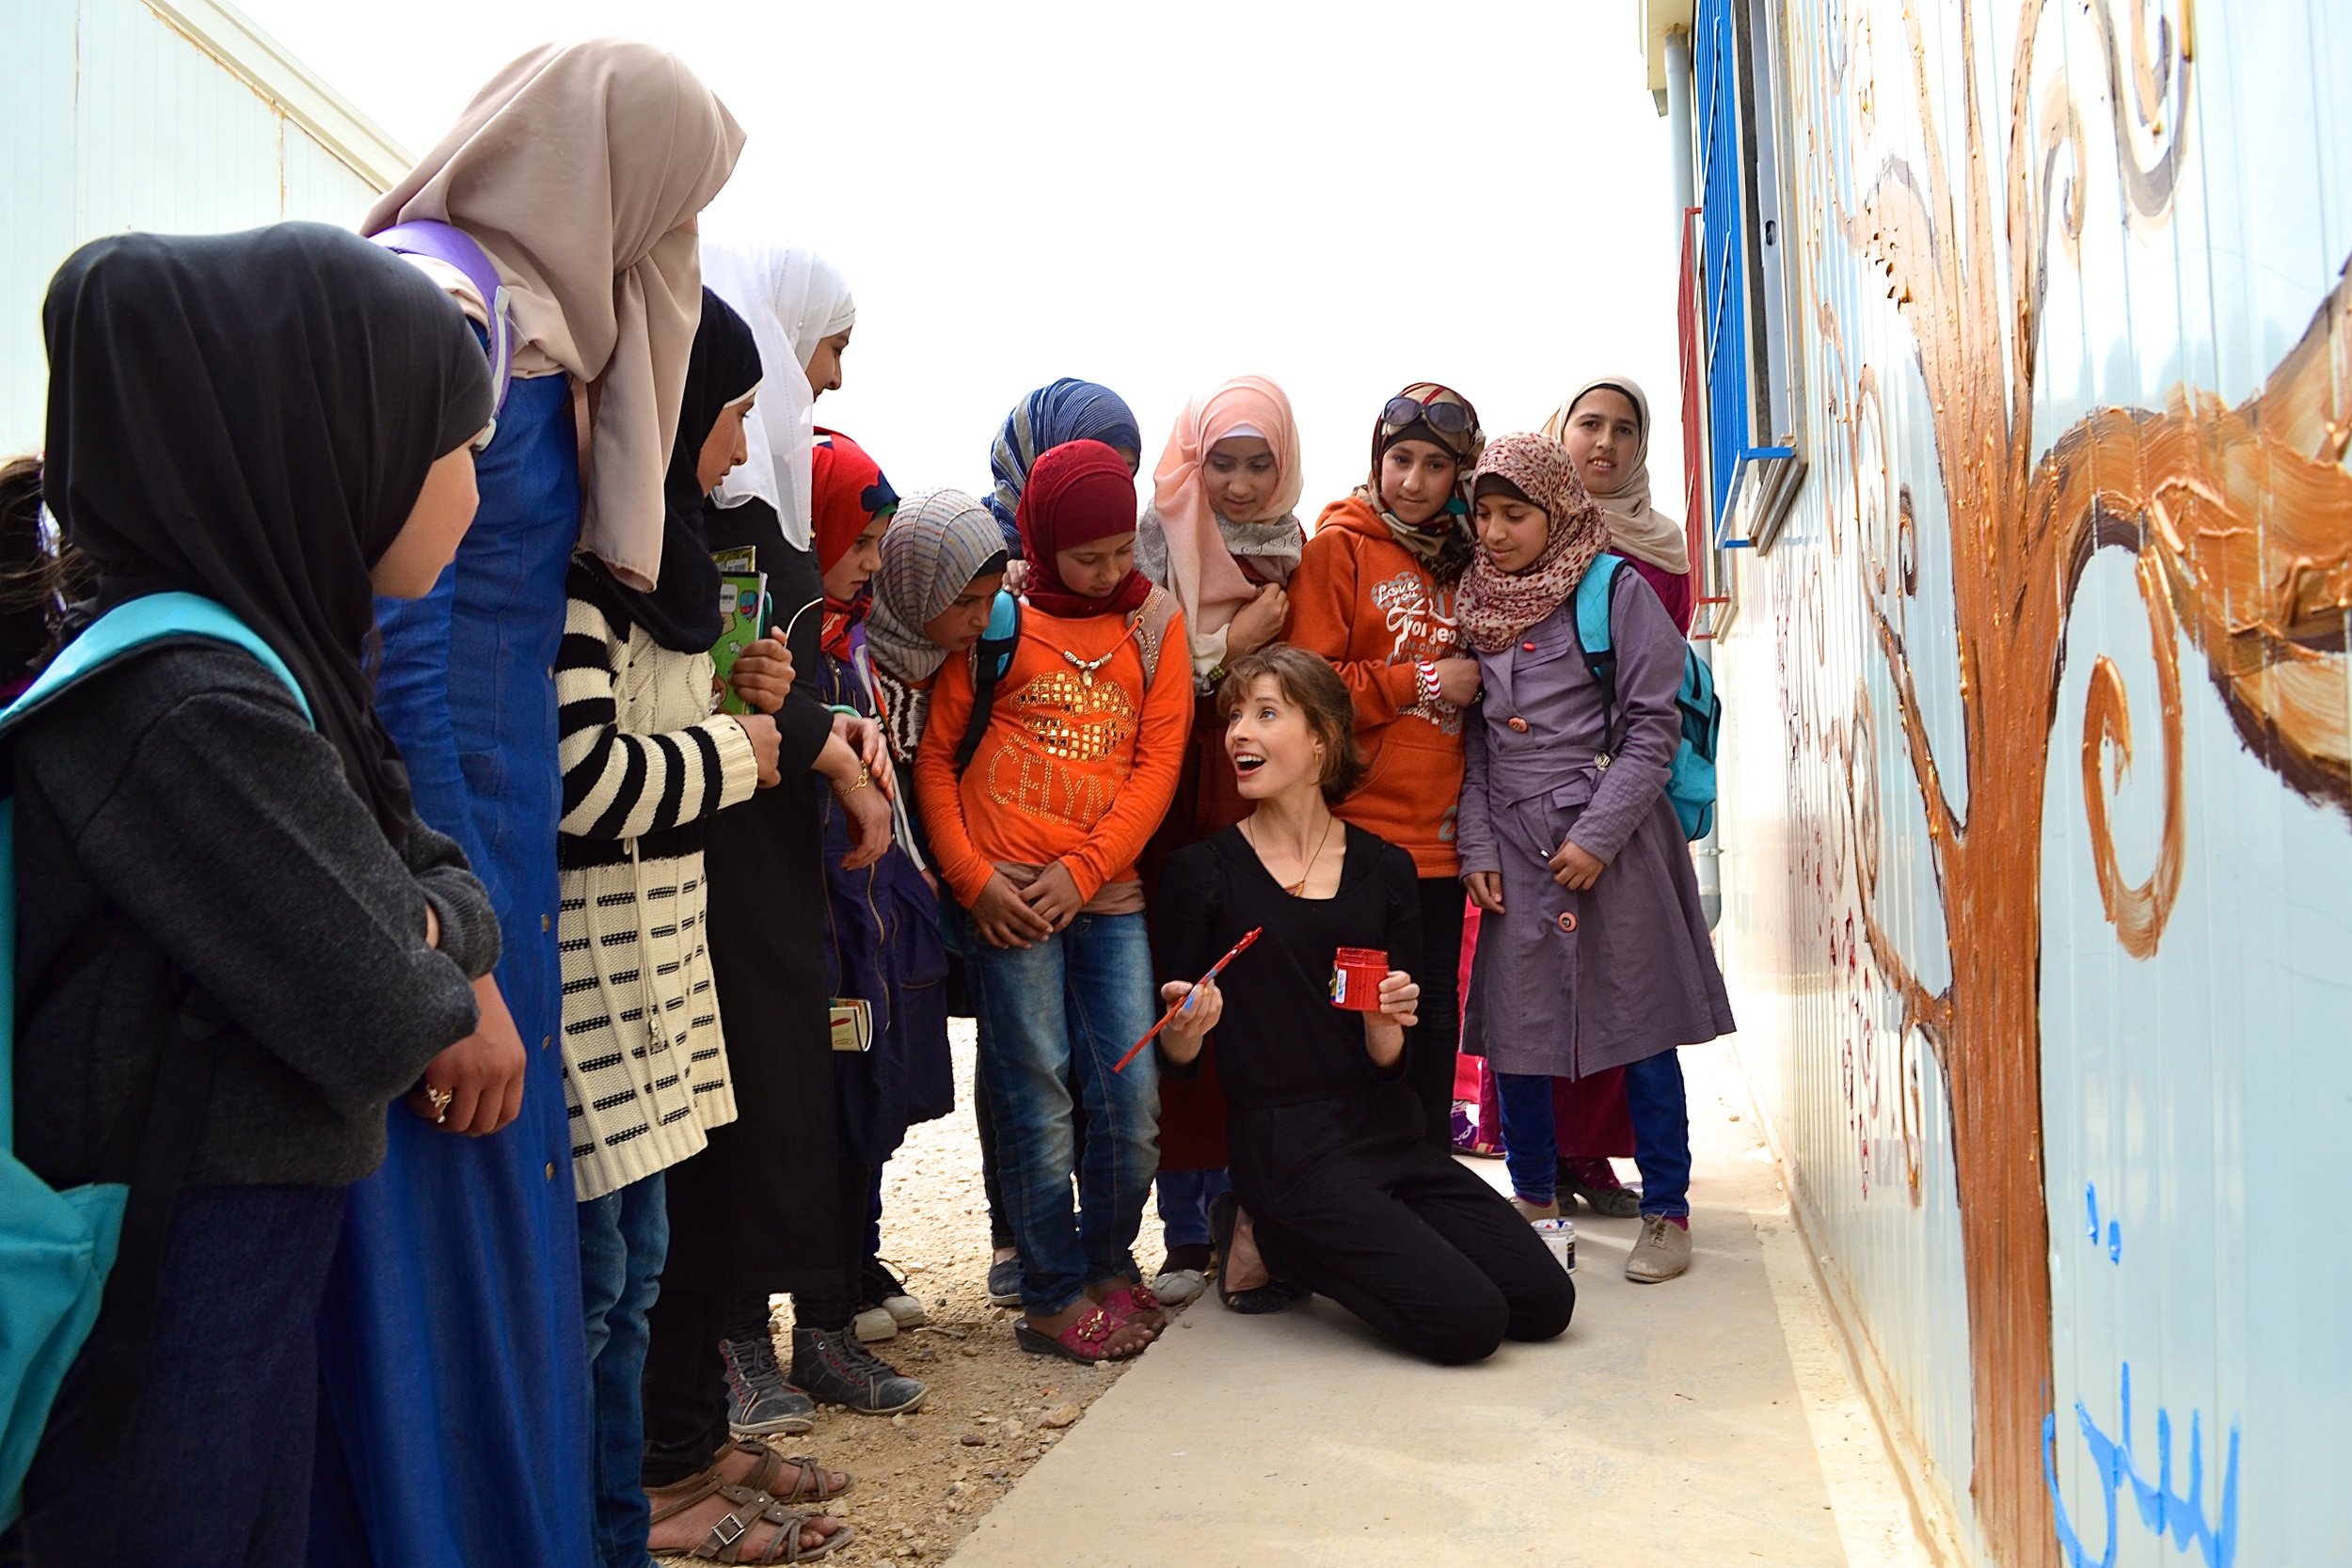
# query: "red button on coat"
1568, 920
1518, 723
1528, 647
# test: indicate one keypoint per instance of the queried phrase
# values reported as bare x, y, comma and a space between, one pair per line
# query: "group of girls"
518, 950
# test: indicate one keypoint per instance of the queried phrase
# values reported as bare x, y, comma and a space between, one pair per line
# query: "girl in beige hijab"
579, 172
1605, 426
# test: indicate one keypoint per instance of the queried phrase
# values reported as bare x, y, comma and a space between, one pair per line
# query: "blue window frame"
1722, 245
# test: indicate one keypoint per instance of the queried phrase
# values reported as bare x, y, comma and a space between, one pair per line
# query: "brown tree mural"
2240, 518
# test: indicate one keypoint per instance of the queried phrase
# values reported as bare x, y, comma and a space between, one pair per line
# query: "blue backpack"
1691, 778
57, 1248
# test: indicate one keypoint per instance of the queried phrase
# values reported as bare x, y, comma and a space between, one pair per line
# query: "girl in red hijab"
1038, 837
881, 950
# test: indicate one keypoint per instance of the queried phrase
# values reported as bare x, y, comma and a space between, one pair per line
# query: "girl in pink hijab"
1222, 535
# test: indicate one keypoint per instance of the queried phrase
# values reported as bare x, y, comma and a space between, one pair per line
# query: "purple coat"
1569, 984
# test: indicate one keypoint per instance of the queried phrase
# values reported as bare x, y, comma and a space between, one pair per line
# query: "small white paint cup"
1559, 1236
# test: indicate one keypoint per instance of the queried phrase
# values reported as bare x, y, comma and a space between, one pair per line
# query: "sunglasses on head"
1446, 419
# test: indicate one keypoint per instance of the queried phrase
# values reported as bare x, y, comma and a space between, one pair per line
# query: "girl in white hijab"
1605, 426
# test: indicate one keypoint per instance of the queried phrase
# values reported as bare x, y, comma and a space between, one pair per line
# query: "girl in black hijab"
238, 944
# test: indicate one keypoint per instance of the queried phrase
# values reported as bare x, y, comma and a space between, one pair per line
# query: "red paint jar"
1356, 976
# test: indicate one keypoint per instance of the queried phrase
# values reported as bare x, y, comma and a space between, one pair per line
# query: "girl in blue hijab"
1066, 410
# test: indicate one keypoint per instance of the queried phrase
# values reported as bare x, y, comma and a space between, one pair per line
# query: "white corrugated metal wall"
119, 117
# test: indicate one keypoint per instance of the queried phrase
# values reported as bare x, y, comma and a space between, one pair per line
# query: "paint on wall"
2038, 753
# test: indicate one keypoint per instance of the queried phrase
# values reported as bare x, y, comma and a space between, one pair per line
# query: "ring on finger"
440, 1099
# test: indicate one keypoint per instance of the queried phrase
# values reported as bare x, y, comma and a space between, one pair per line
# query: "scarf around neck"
1495, 605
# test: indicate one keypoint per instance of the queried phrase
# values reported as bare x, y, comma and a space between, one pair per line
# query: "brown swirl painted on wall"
2239, 520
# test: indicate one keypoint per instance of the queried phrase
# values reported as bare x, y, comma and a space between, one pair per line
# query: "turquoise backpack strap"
140, 624
1594, 593
991, 656
58, 1249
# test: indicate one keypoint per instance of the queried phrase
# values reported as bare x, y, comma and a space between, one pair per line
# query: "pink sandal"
1086, 1341
1137, 1303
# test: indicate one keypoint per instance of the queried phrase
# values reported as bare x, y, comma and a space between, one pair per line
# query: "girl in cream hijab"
1605, 426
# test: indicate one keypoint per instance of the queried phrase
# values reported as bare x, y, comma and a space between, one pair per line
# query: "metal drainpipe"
1707, 854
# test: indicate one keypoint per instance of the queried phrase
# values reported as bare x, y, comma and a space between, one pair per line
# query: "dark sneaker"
760, 1404
837, 1370
1598, 1186
1004, 1283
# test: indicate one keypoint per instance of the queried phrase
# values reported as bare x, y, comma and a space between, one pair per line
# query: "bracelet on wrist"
1425, 684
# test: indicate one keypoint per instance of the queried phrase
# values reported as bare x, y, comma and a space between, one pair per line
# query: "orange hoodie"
1072, 767
1368, 604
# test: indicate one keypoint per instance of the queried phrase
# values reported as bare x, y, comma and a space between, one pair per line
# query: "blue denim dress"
452, 1358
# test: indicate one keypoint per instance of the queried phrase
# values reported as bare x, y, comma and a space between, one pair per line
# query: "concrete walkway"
1703, 1423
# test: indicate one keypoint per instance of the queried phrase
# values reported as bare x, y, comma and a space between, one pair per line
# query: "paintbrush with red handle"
1231, 954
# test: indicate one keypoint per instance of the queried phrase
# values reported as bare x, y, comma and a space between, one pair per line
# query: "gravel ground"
924, 1479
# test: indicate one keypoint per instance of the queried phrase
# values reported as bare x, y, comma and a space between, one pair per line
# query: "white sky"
1343, 195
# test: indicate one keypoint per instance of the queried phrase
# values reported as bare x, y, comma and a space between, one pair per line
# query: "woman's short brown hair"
1308, 682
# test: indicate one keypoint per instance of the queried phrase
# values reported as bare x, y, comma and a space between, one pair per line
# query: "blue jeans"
1053, 1016
624, 1241
1185, 1198
1661, 1135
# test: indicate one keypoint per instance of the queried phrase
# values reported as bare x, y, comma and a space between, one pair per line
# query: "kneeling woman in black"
1335, 1189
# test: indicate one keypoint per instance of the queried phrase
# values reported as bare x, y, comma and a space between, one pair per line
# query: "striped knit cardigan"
645, 765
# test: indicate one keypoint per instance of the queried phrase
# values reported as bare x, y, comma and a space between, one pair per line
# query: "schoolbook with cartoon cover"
742, 608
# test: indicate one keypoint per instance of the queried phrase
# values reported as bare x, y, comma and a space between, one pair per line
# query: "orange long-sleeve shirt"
1367, 604
1067, 770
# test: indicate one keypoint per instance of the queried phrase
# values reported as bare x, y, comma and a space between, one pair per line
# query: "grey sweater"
178, 821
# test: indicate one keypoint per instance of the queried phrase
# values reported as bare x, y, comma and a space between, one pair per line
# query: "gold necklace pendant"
1086, 666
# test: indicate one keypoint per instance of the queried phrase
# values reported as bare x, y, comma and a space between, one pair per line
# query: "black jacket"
179, 825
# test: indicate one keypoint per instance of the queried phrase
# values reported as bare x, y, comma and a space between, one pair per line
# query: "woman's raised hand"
763, 674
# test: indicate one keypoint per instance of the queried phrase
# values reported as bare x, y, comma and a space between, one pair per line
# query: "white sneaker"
1530, 1213
874, 1325
1179, 1285
905, 1311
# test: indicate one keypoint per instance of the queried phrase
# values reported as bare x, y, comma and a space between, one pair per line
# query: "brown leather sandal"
728, 1539
769, 1469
